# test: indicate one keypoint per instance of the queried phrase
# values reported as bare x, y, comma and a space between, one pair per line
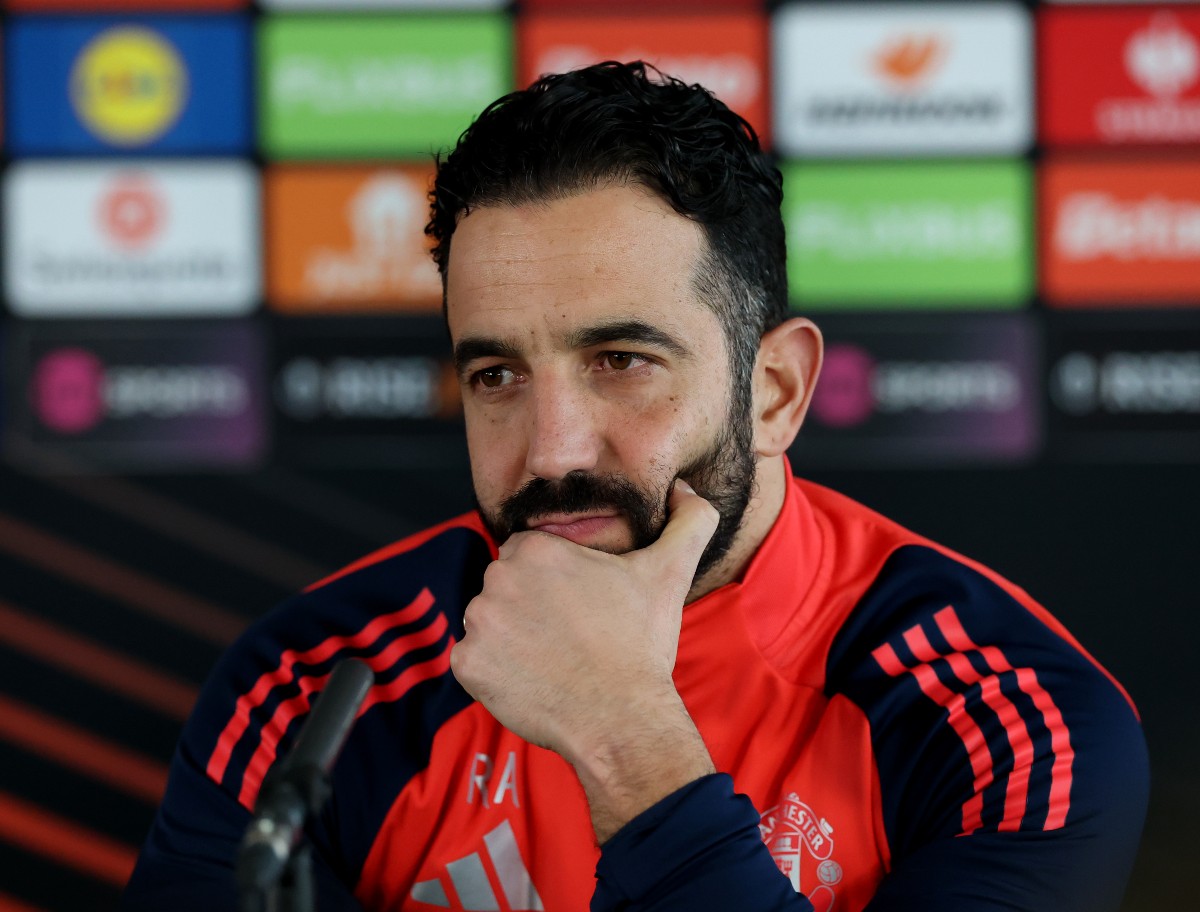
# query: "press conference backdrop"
223, 371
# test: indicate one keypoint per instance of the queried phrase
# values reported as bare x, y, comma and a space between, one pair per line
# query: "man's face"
592, 376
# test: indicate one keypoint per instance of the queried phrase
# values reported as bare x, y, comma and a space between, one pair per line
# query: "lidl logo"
1120, 233
1142, 81
129, 85
372, 85
888, 78
908, 234
349, 239
90, 84
723, 51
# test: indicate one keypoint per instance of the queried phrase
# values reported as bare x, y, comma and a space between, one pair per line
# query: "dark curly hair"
628, 123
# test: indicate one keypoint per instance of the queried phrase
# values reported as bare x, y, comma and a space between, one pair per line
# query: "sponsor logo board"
91, 84
890, 78
38, 6
366, 391
131, 239
912, 235
374, 85
349, 239
1121, 76
1120, 233
139, 394
724, 52
690, 6
432, 5
924, 391
1123, 389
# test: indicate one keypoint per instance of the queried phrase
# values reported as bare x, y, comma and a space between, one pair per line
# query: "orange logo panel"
349, 240
1120, 233
725, 52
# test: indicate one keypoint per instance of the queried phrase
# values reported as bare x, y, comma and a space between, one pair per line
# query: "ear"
789, 360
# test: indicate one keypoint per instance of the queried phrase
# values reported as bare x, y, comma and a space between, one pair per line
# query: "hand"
573, 650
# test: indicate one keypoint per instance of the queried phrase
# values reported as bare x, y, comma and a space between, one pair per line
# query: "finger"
691, 522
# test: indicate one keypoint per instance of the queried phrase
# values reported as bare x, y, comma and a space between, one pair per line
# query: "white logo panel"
884, 78
137, 239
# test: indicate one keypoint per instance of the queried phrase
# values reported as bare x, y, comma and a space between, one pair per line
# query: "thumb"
691, 522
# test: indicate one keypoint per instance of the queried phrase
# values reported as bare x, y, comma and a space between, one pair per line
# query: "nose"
563, 432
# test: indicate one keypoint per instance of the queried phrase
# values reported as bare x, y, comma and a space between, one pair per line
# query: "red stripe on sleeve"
288, 710
1017, 792
1060, 737
964, 726
284, 674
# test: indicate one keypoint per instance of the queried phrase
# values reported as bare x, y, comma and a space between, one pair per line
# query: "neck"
770, 486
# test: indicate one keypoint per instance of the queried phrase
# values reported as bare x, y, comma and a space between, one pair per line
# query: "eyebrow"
626, 331
473, 347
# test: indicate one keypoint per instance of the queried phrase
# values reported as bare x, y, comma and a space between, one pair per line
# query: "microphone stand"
274, 870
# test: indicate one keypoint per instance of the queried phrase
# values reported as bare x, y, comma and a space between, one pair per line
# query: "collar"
781, 584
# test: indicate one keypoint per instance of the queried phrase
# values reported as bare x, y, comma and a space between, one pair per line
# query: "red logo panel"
1119, 76
725, 51
1120, 233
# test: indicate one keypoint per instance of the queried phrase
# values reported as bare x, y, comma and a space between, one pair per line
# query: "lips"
579, 527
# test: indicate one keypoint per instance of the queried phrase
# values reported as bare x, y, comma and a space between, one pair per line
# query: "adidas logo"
470, 882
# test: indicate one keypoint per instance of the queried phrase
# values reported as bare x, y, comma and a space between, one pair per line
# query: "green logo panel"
909, 235
363, 86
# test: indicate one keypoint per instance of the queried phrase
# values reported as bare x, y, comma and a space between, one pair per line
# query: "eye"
492, 377
620, 361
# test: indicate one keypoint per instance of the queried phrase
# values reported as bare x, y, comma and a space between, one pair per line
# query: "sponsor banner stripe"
30, 827
1060, 738
222, 540
158, 600
95, 664
80, 750
1017, 791
12, 904
284, 673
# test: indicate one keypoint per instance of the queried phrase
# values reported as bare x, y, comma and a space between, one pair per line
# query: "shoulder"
398, 609
986, 715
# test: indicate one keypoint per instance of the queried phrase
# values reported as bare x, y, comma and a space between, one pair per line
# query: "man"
654, 671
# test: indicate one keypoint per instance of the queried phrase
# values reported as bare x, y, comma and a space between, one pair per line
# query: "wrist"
625, 769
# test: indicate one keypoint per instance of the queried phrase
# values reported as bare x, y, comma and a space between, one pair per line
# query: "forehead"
613, 252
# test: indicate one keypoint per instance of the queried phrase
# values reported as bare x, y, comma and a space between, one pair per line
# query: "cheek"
496, 459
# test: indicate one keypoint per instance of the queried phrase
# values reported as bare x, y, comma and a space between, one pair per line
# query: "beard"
724, 475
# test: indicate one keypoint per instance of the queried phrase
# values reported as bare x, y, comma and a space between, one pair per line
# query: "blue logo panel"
154, 84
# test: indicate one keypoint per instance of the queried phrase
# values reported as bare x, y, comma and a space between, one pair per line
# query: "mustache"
578, 492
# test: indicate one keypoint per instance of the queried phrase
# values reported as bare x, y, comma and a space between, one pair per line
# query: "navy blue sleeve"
187, 862
698, 849
1013, 771
401, 616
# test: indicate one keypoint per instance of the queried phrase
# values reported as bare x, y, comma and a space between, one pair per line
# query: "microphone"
297, 786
